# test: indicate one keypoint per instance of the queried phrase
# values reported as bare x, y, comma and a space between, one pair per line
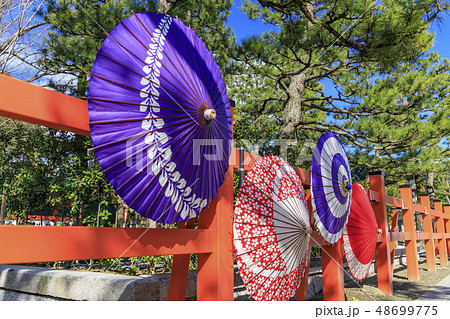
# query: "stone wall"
34, 283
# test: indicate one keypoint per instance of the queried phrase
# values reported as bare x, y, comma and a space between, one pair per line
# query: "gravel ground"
404, 290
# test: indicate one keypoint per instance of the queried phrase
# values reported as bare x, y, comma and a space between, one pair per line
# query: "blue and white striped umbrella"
331, 189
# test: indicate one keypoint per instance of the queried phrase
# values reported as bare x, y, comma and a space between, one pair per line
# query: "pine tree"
357, 68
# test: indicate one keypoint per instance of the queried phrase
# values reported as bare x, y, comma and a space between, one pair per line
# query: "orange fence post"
446, 210
215, 278
412, 260
392, 244
382, 252
180, 270
440, 229
333, 272
428, 228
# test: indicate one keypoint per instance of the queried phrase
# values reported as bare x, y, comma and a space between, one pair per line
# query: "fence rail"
212, 241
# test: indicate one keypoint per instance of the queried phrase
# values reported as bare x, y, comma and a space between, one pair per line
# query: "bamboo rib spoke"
189, 98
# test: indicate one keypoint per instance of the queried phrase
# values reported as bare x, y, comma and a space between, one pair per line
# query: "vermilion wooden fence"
212, 241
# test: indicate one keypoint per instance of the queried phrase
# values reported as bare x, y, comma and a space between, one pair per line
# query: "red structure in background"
212, 241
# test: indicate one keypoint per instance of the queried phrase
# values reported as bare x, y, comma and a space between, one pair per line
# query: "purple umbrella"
160, 117
331, 189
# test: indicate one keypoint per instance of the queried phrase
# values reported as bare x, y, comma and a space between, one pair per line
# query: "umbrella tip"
347, 185
210, 114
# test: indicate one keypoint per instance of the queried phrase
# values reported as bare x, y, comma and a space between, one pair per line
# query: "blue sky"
243, 27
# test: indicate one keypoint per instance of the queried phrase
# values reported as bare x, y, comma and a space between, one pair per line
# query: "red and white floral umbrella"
360, 236
271, 230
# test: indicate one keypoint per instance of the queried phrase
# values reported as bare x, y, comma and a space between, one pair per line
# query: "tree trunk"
291, 113
165, 5
3, 208
120, 214
79, 221
430, 186
293, 108
98, 213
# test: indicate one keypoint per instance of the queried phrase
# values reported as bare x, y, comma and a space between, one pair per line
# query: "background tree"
21, 30
357, 68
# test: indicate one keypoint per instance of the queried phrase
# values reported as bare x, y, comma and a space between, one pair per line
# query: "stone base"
34, 283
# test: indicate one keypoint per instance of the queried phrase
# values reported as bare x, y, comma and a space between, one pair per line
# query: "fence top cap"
424, 194
376, 173
446, 205
437, 200
405, 186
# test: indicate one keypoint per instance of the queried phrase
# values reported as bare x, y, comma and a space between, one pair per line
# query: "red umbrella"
360, 237
271, 230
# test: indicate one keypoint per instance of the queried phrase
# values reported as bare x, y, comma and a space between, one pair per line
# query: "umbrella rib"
211, 79
268, 235
223, 165
146, 64
366, 247
218, 99
214, 81
221, 133
290, 242
168, 42
136, 120
329, 217
189, 101
139, 135
225, 154
193, 88
293, 226
300, 191
247, 252
204, 132
296, 217
144, 168
315, 173
325, 168
189, 69
196, 178
251, 178
261, 225
291, 263
138, 152
286, 268
162, 49
356, 250
176, 164
224, 126
336, 151
198, 62
130, 103
141, 91
216, 168
185, 187
293, 217
283, 221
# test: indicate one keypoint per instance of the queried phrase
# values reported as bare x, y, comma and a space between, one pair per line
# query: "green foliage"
78, 28
357, 68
